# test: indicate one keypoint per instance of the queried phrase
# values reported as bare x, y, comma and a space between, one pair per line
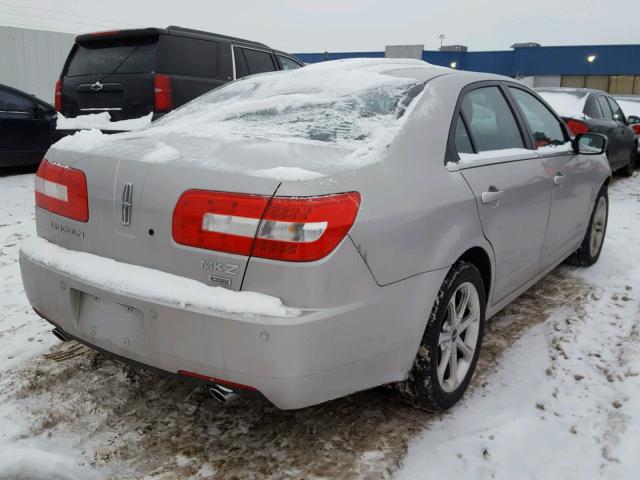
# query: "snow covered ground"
557, 394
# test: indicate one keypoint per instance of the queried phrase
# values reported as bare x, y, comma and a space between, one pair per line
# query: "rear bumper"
294, 362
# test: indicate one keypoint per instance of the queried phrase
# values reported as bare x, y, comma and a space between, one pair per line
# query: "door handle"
492, 196
559, 179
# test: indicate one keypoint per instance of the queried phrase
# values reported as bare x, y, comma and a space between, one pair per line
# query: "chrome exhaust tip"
221, 393
59, 335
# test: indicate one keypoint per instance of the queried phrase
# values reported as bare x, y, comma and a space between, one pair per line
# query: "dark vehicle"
27, 127
585, 110
131, 73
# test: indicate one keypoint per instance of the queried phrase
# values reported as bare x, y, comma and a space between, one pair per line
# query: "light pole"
441, 37
590, 60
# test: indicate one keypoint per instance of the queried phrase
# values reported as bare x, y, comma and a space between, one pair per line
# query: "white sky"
350, 25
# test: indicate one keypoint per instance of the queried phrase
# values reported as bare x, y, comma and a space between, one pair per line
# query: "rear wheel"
628, 169
591, 246
451, 342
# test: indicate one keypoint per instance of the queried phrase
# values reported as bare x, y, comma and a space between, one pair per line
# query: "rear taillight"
296, 229
305, 228
62, 190
163, 93
577, 127
58, 95
636, 128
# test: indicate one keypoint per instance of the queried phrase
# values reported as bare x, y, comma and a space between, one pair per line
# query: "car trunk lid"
131, 204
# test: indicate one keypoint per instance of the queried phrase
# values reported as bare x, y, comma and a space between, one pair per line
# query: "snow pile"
547, 149
24, 463
83, 141
162, 153
287, 174
353, 104
154, 285
568, 104
101, 121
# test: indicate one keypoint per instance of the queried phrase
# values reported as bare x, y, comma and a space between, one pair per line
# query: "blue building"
613, 68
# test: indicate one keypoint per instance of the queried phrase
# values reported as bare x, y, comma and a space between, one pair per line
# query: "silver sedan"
304, 235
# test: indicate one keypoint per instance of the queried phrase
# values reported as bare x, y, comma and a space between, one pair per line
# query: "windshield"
115, 56
319, 103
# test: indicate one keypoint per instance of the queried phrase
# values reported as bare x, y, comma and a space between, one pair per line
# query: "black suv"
131, 73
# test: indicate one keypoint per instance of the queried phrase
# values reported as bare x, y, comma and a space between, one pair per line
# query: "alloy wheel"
598, 226
458, 338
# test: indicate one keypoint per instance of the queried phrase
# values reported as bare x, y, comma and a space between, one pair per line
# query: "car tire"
431, 385
591, 246
628, 169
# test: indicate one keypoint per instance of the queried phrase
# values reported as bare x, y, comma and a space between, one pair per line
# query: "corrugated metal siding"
31, 60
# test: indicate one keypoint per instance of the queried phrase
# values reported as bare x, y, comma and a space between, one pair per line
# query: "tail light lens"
62, 190
296, 229
163, 93
577, 127
636, 128
58, 95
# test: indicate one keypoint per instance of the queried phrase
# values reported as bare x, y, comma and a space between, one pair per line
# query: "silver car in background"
308, 234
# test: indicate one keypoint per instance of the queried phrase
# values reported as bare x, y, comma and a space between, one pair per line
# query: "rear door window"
544, 125
11, 102
114, 56
604, 107
259, 61
191, 57
490, 120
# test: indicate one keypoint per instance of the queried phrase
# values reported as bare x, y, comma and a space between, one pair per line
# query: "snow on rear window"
566, 104
352, 104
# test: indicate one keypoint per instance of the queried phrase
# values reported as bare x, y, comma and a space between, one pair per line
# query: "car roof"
170, 30
25, 94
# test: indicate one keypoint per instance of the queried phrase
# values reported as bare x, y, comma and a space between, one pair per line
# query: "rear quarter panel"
416, 214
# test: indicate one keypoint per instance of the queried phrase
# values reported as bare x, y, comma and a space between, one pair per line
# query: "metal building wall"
31, 60
525, 62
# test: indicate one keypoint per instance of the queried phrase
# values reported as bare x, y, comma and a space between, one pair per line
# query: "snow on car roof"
356, 104
566, 102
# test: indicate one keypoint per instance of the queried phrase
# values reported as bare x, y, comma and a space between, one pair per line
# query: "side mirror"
590, 144
633, 120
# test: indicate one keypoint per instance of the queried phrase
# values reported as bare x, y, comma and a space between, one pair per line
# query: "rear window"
115, 56
328, 105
